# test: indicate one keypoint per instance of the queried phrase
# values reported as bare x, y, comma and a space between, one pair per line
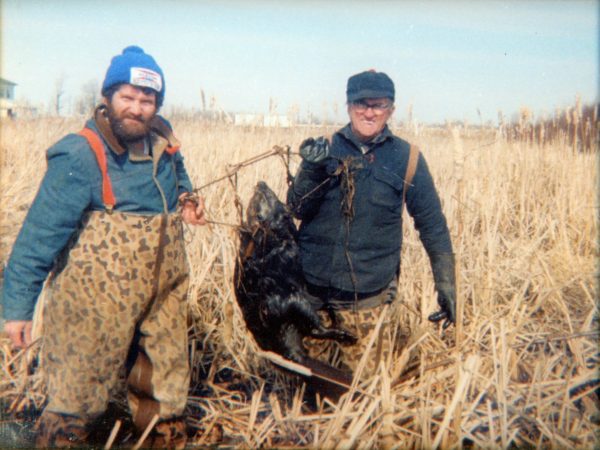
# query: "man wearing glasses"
349, 193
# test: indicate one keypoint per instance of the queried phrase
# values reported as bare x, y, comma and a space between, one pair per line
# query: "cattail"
523, 352
576, 112
501, 125
458, 172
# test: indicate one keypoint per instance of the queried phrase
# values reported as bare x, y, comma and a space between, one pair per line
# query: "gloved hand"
442, 265
315, 151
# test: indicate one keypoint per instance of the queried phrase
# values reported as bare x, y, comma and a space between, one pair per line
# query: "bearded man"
106, 225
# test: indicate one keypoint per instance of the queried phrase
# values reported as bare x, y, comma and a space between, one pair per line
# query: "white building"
276, 120
7, 98
248, 120
262, 120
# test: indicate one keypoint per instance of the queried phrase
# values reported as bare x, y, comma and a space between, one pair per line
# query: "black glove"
315, 151
442, 265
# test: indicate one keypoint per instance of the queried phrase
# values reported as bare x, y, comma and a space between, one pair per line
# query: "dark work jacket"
361, 252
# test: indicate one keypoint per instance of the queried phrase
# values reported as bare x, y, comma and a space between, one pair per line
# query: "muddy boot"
60, 430
167, 434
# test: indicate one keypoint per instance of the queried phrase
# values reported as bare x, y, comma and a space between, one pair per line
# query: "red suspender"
108, 197
171, 150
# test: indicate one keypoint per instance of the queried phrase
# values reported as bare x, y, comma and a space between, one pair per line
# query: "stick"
466, 374
299, 368
113, 435
557, 338
286, 363
414, 370
146, 432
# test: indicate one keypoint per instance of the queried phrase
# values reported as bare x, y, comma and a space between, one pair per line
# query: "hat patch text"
146, 78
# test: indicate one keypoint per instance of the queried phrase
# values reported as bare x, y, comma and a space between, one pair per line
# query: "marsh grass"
521, 369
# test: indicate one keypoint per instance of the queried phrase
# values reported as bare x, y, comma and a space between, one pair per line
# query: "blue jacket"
72, 185
363, 254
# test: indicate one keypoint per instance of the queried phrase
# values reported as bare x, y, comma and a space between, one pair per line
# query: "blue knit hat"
369, 84
135, 67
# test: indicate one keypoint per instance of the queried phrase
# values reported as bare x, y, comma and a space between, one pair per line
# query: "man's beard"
134, 130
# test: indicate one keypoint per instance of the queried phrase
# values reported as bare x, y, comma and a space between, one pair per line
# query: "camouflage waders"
361, 321
124, 274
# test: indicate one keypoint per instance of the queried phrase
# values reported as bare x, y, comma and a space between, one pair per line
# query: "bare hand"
19, 332
192, 208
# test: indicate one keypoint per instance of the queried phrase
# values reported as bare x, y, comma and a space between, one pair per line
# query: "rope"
348, 190
234, 168
231, 175
285, 154
344, 171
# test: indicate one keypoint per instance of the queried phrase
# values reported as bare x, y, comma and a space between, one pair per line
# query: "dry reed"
520, 370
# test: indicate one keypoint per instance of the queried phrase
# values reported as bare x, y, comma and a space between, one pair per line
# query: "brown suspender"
411, 168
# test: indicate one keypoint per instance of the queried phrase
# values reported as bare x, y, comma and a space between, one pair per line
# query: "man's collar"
103, 125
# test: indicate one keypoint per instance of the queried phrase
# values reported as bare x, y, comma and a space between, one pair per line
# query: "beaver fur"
269, 284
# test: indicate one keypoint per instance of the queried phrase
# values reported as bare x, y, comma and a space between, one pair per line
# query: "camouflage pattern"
362, 323
59, 430
170, 434
123, 279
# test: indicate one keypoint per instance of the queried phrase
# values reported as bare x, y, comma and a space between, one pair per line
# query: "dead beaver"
269, 284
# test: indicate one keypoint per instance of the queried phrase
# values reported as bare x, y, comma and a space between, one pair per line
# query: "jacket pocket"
387, 188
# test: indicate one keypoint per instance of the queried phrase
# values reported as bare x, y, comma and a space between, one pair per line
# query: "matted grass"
520, 369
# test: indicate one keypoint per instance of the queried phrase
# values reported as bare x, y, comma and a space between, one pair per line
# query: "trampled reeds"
521, 369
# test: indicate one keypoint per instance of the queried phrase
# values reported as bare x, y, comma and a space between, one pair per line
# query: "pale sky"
447, 58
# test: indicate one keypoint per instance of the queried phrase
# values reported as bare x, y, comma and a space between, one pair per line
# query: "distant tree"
59, 91
272, 106
89, 97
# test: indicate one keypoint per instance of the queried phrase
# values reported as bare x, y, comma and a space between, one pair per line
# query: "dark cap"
369, 84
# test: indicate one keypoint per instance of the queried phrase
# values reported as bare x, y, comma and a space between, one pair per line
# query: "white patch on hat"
146, 78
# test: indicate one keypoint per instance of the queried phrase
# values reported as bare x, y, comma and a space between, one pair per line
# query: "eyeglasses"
378, 108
